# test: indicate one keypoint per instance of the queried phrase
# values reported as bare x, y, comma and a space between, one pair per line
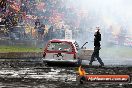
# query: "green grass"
19, 49
105, 51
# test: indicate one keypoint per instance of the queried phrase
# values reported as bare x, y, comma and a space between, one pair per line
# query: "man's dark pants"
96, 55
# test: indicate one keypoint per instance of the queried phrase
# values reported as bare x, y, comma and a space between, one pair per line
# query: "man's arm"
100, 37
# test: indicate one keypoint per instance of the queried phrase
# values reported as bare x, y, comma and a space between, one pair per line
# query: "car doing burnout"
63, 51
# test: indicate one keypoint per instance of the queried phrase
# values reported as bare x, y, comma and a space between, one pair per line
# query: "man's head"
97, 29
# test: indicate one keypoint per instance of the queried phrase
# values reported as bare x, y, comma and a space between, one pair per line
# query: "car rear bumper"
67, 63
60, 61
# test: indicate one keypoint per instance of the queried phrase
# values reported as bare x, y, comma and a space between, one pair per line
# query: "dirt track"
23, 73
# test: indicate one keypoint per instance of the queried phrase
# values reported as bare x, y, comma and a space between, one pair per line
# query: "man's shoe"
101, 65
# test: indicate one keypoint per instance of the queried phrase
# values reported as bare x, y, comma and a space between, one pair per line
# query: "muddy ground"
32, 73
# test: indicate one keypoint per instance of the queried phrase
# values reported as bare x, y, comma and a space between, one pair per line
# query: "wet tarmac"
32, 73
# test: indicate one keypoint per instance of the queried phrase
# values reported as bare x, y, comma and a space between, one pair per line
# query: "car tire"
79, 62
45, 64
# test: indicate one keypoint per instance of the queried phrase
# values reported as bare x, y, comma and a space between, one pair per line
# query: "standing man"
97, 39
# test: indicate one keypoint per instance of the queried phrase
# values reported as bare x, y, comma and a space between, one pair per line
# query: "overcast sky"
112, 12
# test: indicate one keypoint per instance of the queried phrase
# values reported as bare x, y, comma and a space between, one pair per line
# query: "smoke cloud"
108, 12
114, 14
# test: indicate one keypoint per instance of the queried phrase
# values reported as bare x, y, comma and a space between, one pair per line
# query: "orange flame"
81, 71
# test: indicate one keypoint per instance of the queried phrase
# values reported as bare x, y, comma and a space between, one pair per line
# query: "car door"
85, 54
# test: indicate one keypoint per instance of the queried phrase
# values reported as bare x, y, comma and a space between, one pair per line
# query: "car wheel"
79, 62
45, 63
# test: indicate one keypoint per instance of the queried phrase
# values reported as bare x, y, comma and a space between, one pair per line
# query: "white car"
65, 51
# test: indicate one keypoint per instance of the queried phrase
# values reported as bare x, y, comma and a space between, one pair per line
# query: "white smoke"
110, 12
106, 13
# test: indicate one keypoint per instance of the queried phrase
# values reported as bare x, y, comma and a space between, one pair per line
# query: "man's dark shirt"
97, 39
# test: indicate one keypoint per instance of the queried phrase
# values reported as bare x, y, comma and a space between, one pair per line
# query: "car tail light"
74, 56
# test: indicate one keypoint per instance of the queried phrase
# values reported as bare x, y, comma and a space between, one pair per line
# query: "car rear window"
60, 46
